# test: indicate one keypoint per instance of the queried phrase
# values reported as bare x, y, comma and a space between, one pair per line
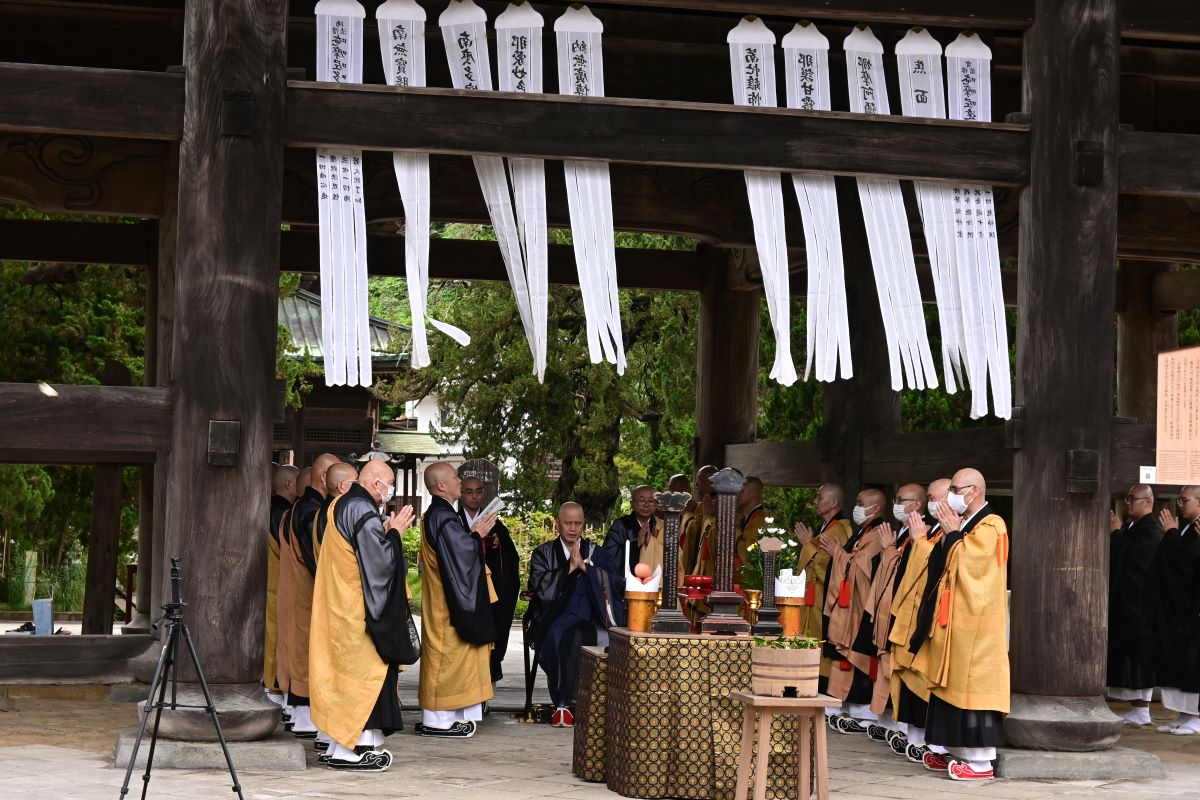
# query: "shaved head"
570, 523
871, 500
751, 492
939, 489
441, 479
829, 500
304, 480
970, 477
338, 479
320, 466
679, 483
284, 481
376, 476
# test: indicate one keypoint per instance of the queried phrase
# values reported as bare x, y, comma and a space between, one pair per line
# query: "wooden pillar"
100, 588
865, 403
226, 293
726, 359
1068, 242
1142, 333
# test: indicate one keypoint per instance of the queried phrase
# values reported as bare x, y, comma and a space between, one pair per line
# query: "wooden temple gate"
200, 122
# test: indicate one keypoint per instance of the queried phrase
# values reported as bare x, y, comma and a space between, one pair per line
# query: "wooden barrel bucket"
640, 607
785, 673
790, 614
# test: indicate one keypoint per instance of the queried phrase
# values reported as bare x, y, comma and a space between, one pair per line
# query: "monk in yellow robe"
691, 523
751, 517
910, 687
851, 571
965, 657
283, 485
298, 566
456, 616
813, 561
360, 618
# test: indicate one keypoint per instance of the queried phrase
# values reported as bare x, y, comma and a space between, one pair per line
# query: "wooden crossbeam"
68, 242
83, 424
1160, 163
1007, 15
891, 459
99, 102
652, 132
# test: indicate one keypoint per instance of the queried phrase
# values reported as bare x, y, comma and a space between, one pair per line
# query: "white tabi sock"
936, 748
916, 735
861, 712
371, 737
980, 766
975, 755
302, 721
322, 736
336, 751
833, 711
276, 697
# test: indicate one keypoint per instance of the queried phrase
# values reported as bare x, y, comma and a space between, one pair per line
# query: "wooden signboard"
1178, 445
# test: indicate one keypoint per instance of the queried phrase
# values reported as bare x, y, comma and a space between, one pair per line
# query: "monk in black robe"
1174, 612
572, 582
500, 555
1132, 546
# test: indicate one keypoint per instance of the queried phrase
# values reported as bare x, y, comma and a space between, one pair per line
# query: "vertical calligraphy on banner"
752, 63
345, 331
402, 47
464, 33
589, 191
806, 60
922, 94
977, 251
910, 360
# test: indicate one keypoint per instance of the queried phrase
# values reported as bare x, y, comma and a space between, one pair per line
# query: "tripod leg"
171, 673
156, 684
212, 709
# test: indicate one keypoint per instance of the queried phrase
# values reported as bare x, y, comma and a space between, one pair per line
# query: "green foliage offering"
782, 642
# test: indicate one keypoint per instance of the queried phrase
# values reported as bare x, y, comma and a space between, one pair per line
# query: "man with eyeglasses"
965, 657
1131, 552
1172, 611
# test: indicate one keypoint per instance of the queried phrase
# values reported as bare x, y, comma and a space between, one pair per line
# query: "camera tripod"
167, 672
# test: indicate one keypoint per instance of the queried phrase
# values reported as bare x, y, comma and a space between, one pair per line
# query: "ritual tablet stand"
768, 614
668, 618
724, 601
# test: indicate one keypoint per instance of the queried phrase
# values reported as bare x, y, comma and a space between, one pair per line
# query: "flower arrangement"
750, 573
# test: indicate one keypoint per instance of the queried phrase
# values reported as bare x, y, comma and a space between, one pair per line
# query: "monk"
751, 517
337, 482
283, 494
457, 626
851, 571
814, 562
692, 523
360, 623
298, 566
1132, 544
503, 563
909, 687
965, 657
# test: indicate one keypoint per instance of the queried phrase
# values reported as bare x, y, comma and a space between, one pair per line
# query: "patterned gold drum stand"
591, 715
672, 729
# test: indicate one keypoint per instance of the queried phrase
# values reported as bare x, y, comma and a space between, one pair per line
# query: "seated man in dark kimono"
574, 585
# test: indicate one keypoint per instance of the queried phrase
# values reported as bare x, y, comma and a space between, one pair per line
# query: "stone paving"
56, 743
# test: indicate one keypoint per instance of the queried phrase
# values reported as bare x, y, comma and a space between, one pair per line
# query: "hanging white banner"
806, 60
464, 32
402, 46
922, 94
887, 230
345, 325
589, 191
975, 236
519, 69
752, 65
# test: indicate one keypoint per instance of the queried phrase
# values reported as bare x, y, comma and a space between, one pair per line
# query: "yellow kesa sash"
271, 629
345, 672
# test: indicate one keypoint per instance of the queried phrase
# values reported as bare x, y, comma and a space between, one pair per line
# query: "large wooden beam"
98, 102
68, 242
653, 132
1068, 249
83, 424
1160, 163
1142, 333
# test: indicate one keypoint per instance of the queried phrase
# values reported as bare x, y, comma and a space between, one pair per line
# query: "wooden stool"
811, 711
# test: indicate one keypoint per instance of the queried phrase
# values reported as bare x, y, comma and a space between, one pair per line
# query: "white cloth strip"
806, 59
402, 47
892, 262
589, 191
519, 68
976, 242
922, 94
464, 33
345, 324
752, 68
